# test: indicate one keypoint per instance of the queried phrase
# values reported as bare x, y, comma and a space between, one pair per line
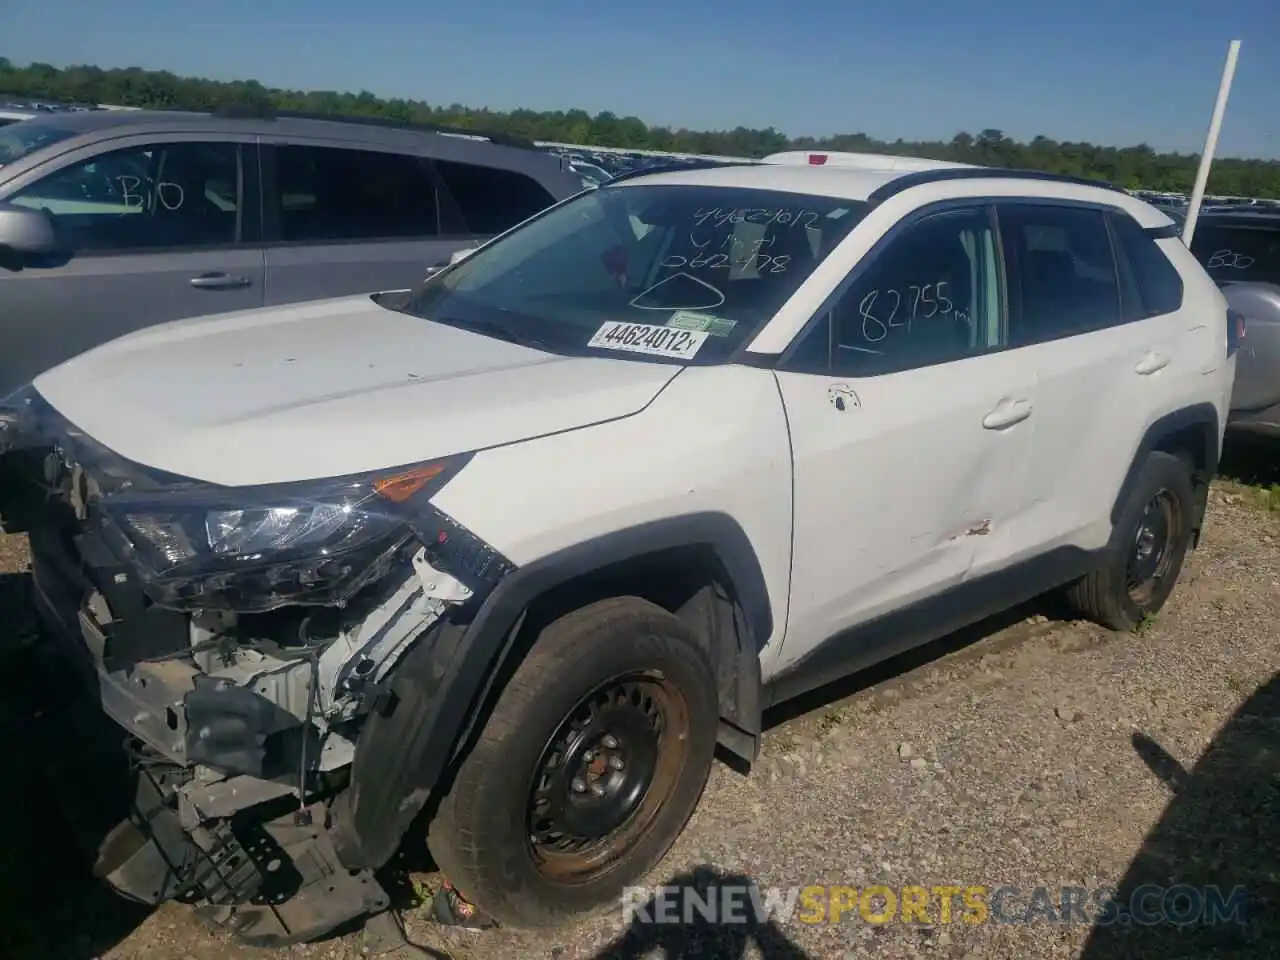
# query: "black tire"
1109, 595
621, 656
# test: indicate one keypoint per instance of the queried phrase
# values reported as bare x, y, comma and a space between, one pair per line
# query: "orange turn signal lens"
402, 486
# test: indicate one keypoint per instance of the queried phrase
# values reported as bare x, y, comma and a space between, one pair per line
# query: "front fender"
428, 714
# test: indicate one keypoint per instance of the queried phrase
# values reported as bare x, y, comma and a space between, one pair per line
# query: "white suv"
515, 550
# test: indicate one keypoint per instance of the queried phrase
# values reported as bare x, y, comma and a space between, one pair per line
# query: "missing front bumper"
271, 884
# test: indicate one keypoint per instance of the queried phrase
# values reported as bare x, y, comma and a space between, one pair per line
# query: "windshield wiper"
497, 330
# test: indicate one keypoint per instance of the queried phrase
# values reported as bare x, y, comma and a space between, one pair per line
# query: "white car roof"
842, 182
862, 161
858, 183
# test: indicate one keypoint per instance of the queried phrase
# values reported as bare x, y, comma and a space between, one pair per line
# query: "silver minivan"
115, 220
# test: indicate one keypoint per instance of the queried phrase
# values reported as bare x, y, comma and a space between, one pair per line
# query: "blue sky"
1107, 71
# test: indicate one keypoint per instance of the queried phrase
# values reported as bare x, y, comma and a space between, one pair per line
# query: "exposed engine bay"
242, 685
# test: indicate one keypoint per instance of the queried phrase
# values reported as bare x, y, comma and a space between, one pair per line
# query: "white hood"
328, 388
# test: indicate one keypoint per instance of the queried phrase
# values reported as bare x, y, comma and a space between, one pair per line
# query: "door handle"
1006, 414
1150, 363
219, 281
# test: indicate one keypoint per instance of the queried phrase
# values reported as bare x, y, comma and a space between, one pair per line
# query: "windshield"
19, 139
643, 271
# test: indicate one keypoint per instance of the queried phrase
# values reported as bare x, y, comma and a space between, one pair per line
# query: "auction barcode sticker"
649, 338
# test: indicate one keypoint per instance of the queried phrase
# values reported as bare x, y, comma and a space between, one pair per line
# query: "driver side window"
931, 296
164, 196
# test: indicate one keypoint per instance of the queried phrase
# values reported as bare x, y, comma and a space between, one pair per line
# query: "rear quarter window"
1150, 284
492, 200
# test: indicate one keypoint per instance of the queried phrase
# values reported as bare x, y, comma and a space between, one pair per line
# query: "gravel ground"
1044, 752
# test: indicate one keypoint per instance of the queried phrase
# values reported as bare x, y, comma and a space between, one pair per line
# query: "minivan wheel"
1147, 548
593, 760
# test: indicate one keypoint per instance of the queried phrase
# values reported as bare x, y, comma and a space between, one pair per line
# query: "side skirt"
894, 633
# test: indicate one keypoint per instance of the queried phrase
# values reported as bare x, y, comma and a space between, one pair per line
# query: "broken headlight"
255, 549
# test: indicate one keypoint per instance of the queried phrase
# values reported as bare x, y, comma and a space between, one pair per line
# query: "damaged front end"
240, 637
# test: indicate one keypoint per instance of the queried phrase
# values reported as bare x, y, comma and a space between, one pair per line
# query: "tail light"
1237, 329
817, 159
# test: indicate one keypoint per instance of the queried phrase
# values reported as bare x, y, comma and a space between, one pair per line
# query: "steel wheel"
1150, 557
603, 776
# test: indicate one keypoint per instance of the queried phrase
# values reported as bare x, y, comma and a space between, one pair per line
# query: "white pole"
1211, 142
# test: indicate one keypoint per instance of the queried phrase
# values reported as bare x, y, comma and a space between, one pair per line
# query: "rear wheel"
1148, 546
592, 762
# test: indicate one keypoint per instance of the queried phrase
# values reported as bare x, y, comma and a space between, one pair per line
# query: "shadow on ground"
691, 901
51, 907
1220, 834
1251, 460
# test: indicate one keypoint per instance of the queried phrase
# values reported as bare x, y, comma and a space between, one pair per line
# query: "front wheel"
593, 760
1148, 544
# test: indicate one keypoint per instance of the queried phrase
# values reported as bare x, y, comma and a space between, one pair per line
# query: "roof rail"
672, 167
270, 113
920, 177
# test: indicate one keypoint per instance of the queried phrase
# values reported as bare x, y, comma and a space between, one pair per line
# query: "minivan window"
492, 200
1239, 252
1065, 272
21, 138
629, 270
162, 196
328, 193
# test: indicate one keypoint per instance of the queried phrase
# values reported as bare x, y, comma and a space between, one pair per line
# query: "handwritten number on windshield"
761, 263
721, 216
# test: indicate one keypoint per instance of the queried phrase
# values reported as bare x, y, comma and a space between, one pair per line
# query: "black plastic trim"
250, 194
921, 177
902, 630
408, 743
1169, 231
1198, 415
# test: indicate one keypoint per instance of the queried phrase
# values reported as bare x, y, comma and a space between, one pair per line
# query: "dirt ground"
1032, 751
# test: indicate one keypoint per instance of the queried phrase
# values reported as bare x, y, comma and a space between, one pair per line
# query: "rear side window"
492, 200
26, 136
1152, 285
326, 193
1064, 272
1239, 252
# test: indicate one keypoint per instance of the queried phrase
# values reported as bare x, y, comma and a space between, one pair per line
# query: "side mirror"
457, 257
25, 230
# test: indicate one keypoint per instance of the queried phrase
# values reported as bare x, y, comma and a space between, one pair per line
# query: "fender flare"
1197, 415
409, 743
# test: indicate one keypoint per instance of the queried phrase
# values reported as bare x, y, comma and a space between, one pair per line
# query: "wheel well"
689, 581
1192, 443
1191, 435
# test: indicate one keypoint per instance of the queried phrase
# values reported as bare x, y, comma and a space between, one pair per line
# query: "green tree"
1132, 166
